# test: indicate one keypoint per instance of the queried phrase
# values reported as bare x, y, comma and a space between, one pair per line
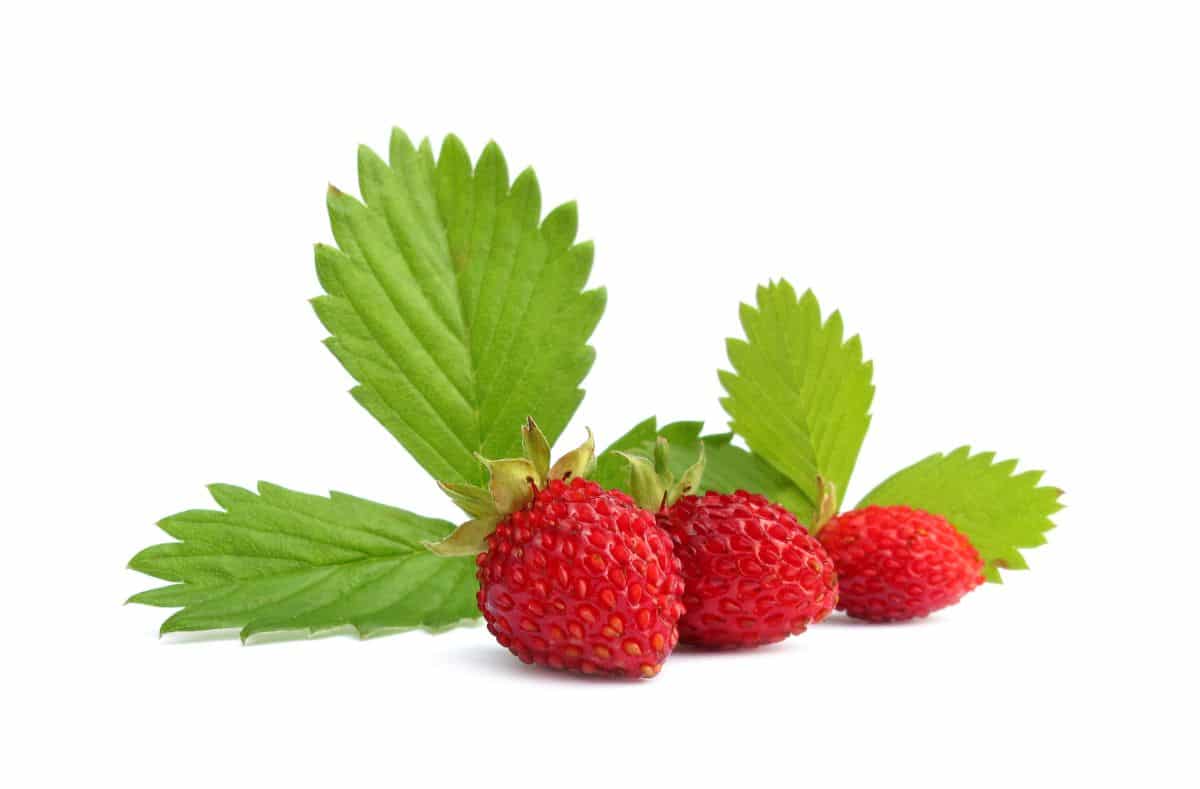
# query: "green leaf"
731, 468
612, 471
459, 311
997, 510
799, 395
727, 467
281, 560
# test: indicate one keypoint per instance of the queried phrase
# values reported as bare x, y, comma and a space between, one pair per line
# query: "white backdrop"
1003, 201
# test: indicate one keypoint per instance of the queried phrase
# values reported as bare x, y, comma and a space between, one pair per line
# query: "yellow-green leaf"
800, 393
998, 510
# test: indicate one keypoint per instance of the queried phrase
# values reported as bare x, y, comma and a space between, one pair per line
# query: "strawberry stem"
827, 506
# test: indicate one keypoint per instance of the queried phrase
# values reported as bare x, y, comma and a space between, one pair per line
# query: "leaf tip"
526, 177
452, 148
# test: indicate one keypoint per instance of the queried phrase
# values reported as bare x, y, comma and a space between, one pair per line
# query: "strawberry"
898, 563
571, 576
752, 573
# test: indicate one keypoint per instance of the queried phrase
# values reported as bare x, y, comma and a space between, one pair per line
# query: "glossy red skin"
898, 563
583, 580
752, 574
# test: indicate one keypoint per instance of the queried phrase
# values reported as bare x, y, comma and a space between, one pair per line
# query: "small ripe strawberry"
571, 576
898, 563
582, 579
752, 574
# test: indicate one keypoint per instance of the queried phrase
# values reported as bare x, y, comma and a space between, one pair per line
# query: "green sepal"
579, 462
512, 484
471, 499
662, 457
537, 448
467, 540
652, 484
645, 483
689, 481
727, 468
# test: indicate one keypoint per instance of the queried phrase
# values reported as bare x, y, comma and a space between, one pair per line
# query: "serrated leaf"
459, 311
999, 511
281, 560
727, 467
800, 395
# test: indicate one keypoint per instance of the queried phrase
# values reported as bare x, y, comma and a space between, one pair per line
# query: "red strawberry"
582, 579
571, 576
752, 573
897, 563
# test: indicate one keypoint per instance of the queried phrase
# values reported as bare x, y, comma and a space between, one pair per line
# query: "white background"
1001, 198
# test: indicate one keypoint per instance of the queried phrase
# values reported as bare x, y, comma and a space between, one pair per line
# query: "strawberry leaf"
799, 395
727, 467
997, 510
612, 471
280, 560
457, 309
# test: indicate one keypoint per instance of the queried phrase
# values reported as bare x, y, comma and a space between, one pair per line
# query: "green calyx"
512, 484
654, 487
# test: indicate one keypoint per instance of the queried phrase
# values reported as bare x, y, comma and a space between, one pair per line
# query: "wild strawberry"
752, 574
898, 563
571, 576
